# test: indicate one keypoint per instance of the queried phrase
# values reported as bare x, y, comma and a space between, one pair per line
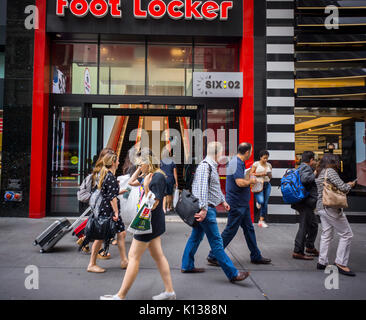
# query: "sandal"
86, 249
103, 256
79, 242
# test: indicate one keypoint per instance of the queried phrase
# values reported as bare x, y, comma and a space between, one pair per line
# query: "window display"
338, 131
361, 153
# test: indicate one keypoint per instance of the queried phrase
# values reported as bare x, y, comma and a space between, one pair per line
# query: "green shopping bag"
142, 222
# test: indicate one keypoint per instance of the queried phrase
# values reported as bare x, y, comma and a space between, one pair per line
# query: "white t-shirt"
262, 169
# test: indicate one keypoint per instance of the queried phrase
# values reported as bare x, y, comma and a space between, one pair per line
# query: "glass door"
74, 147
66, 155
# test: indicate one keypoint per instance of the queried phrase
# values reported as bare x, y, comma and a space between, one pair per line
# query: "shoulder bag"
332, 197
187, 207
258, 186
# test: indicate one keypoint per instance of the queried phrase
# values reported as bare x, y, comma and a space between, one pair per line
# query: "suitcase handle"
78, 219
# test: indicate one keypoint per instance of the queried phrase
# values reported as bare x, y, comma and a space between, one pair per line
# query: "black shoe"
346, 273
320, 266
262, 261
213, 262
194, 270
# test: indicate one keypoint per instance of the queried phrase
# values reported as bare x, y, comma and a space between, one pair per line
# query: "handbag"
332, 197
257, 187
99, 228
187, 207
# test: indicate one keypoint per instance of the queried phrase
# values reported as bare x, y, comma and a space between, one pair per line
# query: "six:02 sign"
157, 9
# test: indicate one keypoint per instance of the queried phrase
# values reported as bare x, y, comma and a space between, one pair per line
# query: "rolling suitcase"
55, 232
80, 230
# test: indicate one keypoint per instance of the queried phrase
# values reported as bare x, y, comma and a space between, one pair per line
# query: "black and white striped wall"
280, 98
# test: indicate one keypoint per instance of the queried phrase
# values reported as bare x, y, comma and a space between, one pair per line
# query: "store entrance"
80, 133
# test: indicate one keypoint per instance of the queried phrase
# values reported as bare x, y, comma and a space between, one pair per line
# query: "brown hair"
329, 160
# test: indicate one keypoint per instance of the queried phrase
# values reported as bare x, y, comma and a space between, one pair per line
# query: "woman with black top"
152, 179
109, 206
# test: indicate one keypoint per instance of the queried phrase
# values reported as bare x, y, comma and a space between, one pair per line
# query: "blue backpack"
292, 189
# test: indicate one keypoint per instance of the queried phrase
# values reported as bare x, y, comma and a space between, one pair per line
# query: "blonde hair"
151, 161
99, 164
108, 160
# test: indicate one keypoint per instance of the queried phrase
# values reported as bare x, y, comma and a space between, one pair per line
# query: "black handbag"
99, 228
187, 207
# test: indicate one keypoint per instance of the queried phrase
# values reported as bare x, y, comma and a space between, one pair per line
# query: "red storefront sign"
157, 9
98, 8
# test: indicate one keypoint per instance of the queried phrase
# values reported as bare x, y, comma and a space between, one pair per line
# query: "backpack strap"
210, 170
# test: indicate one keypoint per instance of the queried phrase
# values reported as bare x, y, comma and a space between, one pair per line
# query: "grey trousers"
331, 220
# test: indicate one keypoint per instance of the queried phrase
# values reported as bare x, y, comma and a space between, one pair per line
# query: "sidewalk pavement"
62, 273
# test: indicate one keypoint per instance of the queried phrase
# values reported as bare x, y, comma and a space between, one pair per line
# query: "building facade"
93, 71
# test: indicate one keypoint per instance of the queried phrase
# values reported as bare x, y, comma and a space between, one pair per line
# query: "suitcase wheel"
35, 243
41, 251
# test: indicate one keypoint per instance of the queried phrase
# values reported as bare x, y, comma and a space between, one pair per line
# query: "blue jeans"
262, 198
240, 217
210, 228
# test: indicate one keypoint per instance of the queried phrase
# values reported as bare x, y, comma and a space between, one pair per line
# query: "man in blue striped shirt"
206, 187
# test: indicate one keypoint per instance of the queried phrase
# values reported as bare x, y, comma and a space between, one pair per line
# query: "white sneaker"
258, 205
165, 296
110, 297
262, 224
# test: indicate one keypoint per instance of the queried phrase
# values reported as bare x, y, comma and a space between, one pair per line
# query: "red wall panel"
38, 175
246, 112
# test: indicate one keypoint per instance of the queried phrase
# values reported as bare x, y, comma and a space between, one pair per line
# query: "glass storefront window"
338, 131
2, 66
66, 152
126, 68
222, 119
2, 73
74, 68
219, 58
170, 70
122, 69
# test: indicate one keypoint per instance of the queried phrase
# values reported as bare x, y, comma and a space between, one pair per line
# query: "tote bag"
128, 201
142, 222
332, 197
